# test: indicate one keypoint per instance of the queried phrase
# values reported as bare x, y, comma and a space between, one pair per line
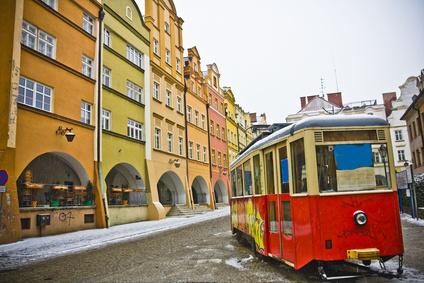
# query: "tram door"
272, 203
287, 243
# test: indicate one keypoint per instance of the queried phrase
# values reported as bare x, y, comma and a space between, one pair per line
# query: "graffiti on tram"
247, 219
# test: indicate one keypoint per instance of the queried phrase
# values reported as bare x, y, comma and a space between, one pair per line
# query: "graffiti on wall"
247, 219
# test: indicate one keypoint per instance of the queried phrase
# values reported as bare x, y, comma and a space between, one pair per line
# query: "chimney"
302, 102
335, 98
388, 97
311, 97
253, 117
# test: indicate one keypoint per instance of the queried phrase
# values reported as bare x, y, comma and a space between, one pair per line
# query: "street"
204, 251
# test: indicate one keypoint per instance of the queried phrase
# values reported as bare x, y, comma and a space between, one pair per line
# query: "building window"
210, 99
34, 94
398, 135
129, 13
212, 131
166, 27
213, 156
192, 86
87, 23
223, 133
214, 82
86, 112
217, 130
135, 130
196, 118
106, 119
168, 56
216, 103
107, 38
134, 91
189, 114
155, 46
190, 150
401, 155
156, 91
199, 93
157, 138
219, 159
46, 42
203, 121
51, 3
178, 64
135, 56
204, 154
225, 160
195, 67
168, 98
169, 142
87, 66
198, 152
180, 146
106, 76
179, 104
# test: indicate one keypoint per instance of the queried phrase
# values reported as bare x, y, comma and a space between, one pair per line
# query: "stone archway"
221, 194
125, 177
170, 189
200, 191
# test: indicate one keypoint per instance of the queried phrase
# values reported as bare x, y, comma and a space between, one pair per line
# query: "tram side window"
272, 219
287, 221
247, 178
233, 183
239, 184
284, 168
269, 169
299, 166
257, 174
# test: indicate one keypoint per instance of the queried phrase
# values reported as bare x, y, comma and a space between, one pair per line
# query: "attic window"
129, 13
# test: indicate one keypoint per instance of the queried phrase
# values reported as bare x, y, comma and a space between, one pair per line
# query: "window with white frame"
86, 112
168, 98
213, 156
34, 94
135, 129
198, 152
106, 119
134, 91
155, 46
398, 135
217, 130
203, 121
180, 146
401, 155
166, 27
189, 114
129, 13
168, 56
192, 86
225, 160
190, 150
205, 158
179, 105
45, 44
156, 91
51, 3
223, 133
87, 66
199, 92
106, 76
216, 103
212, 131
178, 64
87, 23
107, 38
196, 118
210, 99
169, 142
157, 138
135, 56
219, 158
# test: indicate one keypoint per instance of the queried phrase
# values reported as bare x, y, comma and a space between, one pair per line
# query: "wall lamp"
65, 132
175, 162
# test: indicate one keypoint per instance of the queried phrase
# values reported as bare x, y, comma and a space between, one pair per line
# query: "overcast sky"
272, 52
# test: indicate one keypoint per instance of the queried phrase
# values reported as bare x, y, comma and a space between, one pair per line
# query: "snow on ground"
409, 219
238, 263
35, 249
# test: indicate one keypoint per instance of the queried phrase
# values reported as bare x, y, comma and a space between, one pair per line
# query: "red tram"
322, 189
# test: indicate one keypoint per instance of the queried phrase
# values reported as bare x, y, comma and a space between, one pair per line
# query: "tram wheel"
366, 262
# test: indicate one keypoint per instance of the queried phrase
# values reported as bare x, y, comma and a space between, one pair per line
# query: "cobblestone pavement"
203, 252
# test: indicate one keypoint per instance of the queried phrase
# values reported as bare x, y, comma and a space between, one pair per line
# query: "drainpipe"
99, 111
209, 146
186, 138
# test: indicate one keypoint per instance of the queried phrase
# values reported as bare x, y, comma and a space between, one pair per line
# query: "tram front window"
352, 167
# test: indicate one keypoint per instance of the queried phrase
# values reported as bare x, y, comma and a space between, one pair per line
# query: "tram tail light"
360, 218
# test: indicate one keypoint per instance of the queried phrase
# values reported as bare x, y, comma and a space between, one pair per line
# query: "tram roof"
328, 121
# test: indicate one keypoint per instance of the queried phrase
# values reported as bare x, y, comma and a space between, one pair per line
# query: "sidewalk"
35, 249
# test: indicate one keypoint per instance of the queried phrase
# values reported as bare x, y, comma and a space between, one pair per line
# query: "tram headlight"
360, 218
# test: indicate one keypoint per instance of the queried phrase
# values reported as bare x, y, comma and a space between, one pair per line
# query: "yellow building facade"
48, 90
125, 83
166, 155
197, 131
232, 128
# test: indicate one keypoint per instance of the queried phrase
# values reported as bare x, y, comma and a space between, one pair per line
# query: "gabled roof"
317, 104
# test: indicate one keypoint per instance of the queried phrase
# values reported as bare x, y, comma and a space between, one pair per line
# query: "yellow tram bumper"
364, 254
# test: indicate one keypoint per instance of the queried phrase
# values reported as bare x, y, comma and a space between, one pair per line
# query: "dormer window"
129, 13
166, 27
